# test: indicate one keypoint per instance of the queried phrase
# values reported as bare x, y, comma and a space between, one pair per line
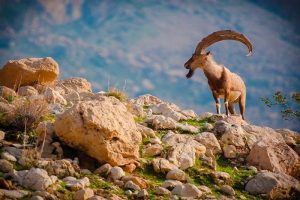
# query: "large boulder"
275, 156
273, 185
103, 129
254, 134
28, 71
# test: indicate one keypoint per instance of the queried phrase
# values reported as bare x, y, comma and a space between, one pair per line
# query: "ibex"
222, 82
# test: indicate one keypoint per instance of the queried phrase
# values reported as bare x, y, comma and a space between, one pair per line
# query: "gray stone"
15, 194
209, 140
161, 191
8, 156
162, 165
5, 166
153, 150
132, 186
76, 184
116, 173
143, 194
36, 198
176, 174
104, 169
84, 194
187, 190
227, 189
35, 179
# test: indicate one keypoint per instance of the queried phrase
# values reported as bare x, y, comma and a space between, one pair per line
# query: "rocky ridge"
60, 140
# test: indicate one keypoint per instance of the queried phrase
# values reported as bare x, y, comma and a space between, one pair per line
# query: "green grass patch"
139, 119
1, 174
10, 98
62, 188
161, 133
198, 123
97, 182
238, 176
148, 173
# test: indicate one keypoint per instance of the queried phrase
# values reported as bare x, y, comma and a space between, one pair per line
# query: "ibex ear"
208, 53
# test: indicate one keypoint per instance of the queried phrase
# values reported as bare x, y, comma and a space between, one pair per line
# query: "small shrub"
119, 94
26, 114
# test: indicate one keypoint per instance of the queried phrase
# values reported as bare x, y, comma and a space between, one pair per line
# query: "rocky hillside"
59, 140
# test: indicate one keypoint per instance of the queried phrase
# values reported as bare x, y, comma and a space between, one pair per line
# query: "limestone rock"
142, 183
27, 91
14, 194
116, 173
176, 174
187, 128
132, 186
8, 156
155, 140
187, 190
254, 134
60, 168
232, 119
209, 140
172, 138
162, 122
229, 151
53, 96
221, 178
170, 184
166, 110
35, 178
84, 194
75, 84
162, 165
5, 166
190, 114
274, 185
162, 191
227, 189
76, 184
290, 137
104, 169
153, 150
28, 71
143, 194
103, 129
145, 131
184, 155
147, 99
274, 156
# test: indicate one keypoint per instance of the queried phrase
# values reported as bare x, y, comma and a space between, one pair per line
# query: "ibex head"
199, 58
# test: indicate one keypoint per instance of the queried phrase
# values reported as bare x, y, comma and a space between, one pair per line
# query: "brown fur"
222, 82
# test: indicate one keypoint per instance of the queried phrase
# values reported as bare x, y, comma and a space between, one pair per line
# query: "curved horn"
223, 35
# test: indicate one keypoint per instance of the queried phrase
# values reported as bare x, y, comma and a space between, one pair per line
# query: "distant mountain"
141, 46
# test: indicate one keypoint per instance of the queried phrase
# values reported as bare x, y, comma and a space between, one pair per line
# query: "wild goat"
222, 82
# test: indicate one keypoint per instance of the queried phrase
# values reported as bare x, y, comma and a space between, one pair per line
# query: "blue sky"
142, 45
